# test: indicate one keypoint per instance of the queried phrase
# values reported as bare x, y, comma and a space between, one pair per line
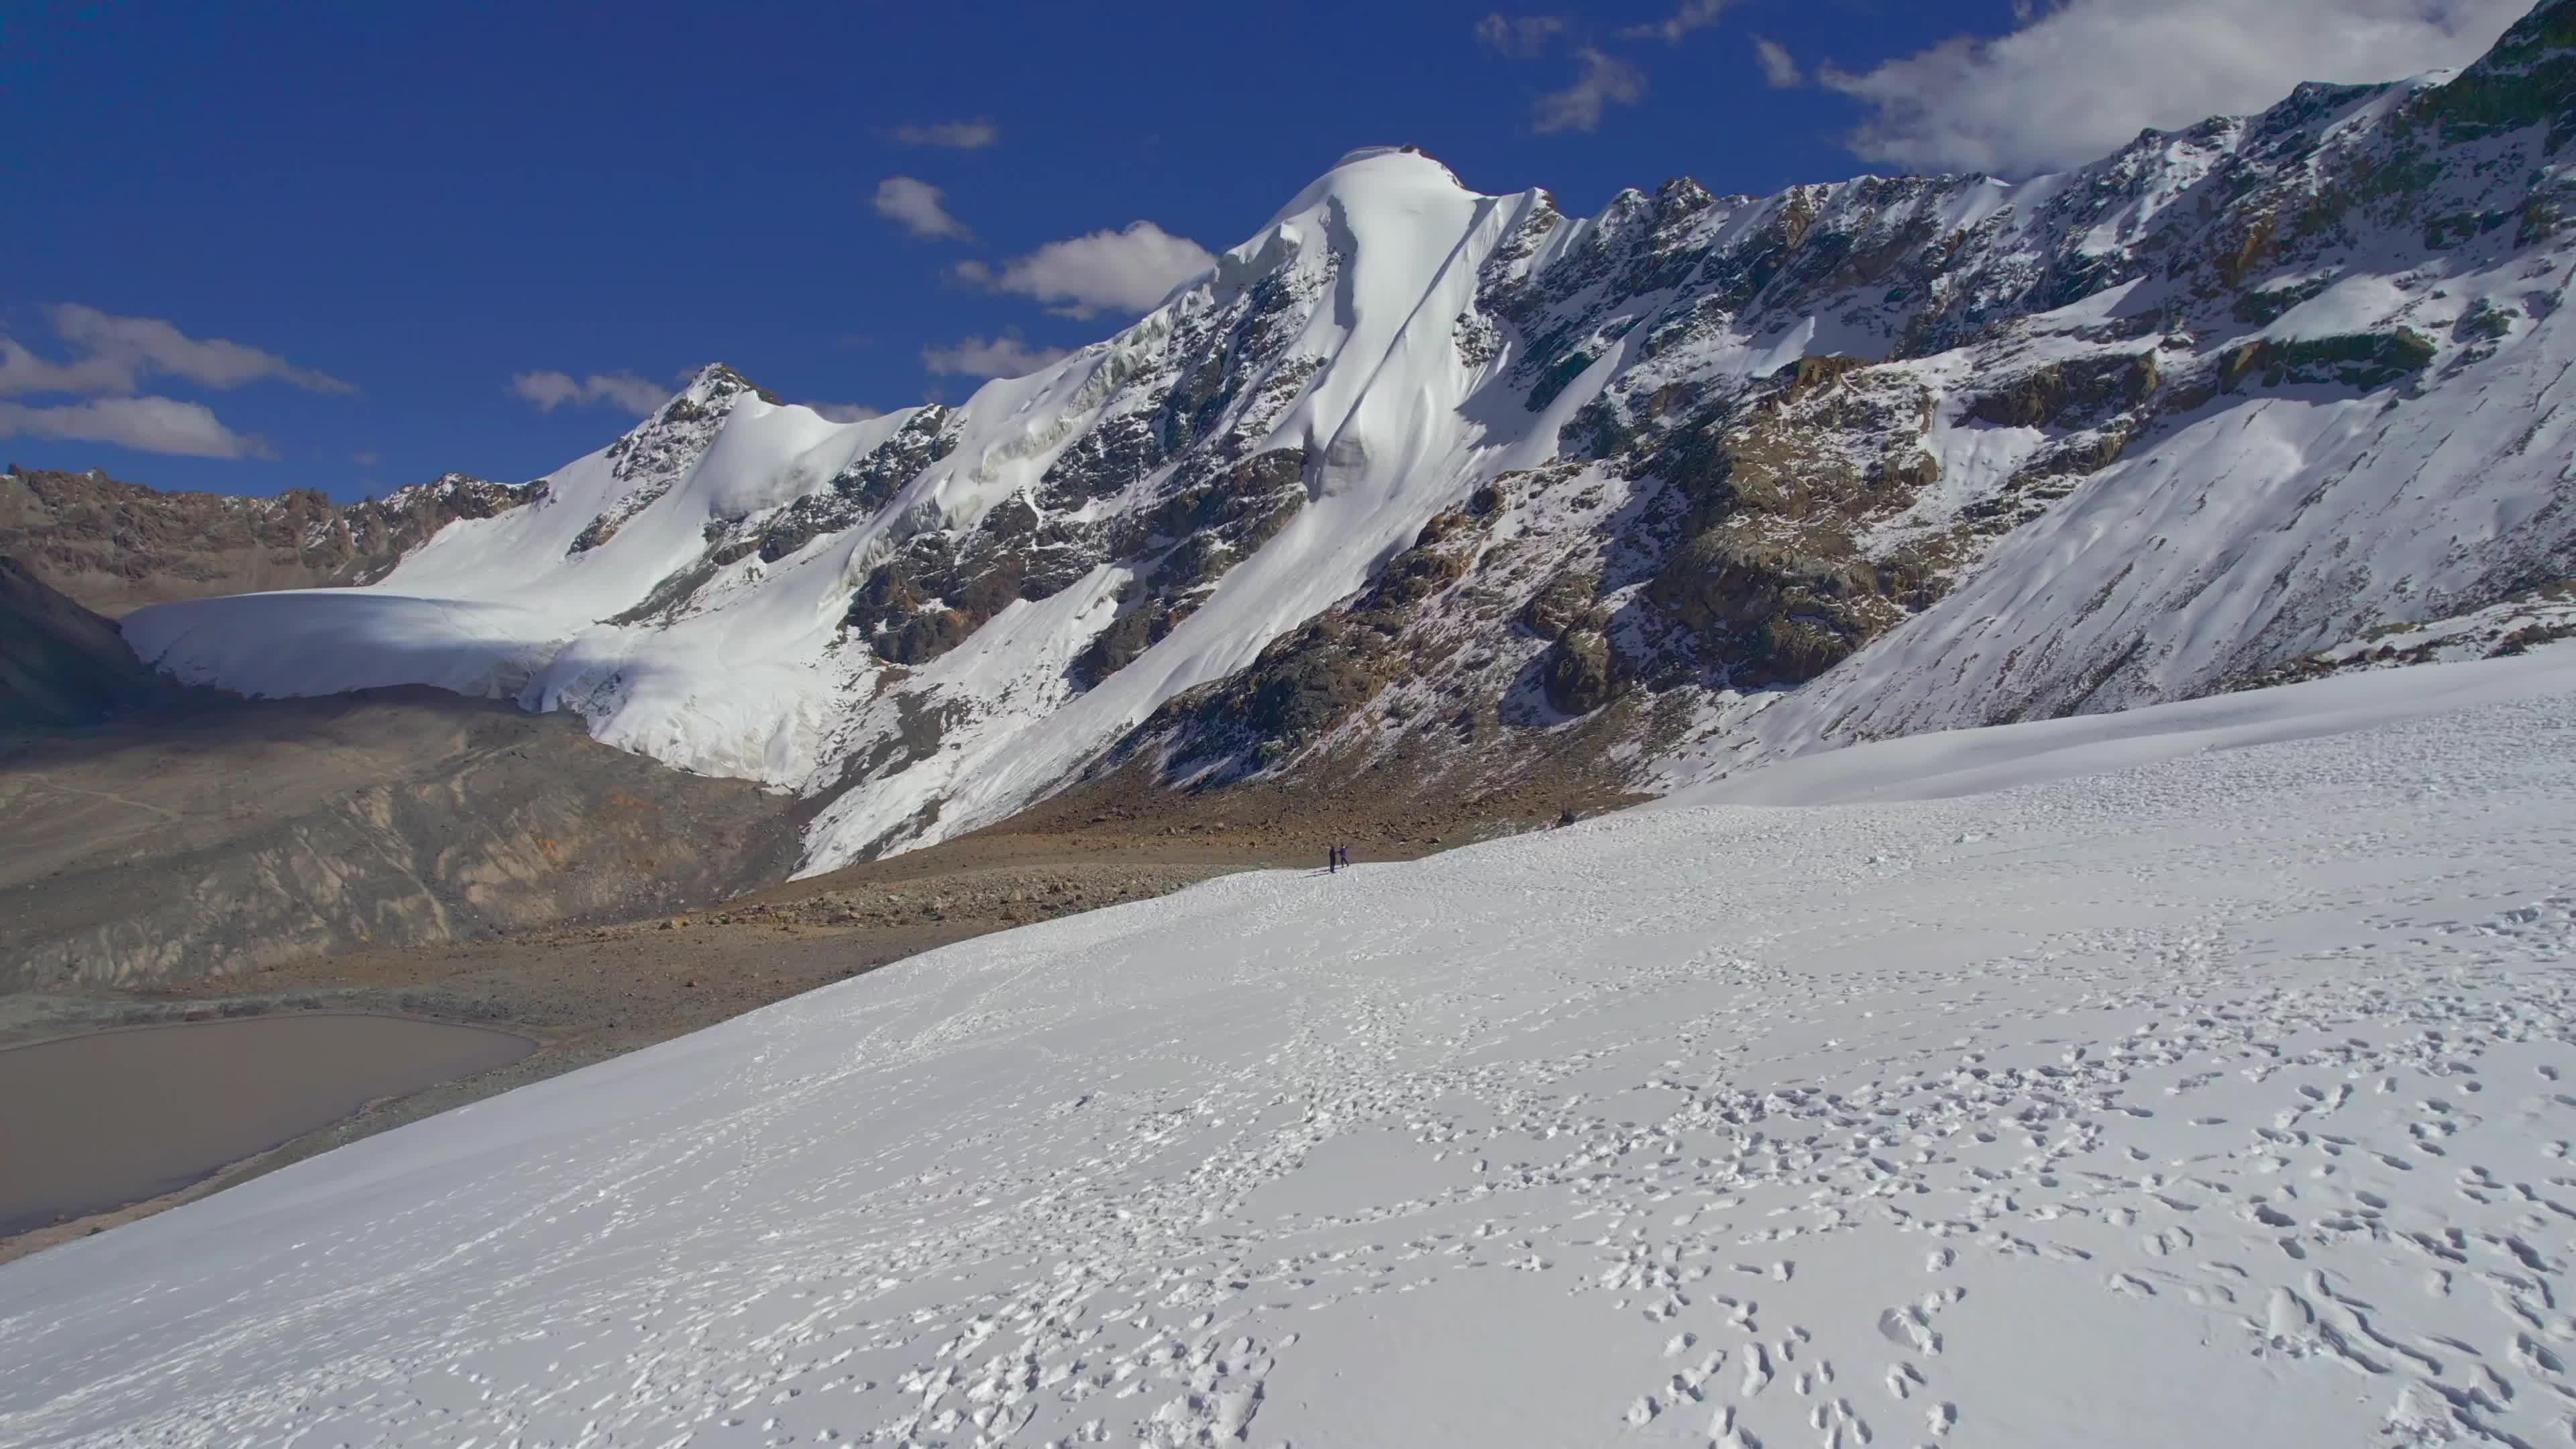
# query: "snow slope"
2221, 1098
2280, 524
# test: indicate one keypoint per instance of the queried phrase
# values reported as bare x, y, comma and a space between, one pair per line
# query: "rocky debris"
113, 546
940, 588
1770, 581
855, 494
1008, 896
1207, 513
1582, 671
1567, 600
1182, 546
2365, 361
1311, 679
2069, 394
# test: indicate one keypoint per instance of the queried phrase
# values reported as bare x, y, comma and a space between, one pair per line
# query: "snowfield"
2223, 1097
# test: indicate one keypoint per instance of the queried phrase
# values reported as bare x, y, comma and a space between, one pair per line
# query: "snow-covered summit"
1417, 473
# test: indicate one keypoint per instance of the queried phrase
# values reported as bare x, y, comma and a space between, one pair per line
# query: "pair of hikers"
1336, 857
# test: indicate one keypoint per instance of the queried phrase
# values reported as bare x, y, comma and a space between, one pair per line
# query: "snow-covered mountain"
2220, 1098
1420, 473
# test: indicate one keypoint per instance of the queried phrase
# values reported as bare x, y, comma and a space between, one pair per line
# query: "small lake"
94, 1122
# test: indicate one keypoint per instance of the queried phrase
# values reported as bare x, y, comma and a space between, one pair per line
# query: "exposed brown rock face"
114, 547
215, 835
60, 664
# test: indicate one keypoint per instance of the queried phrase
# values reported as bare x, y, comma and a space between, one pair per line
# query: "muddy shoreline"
142, 1111
585, 996
588, 994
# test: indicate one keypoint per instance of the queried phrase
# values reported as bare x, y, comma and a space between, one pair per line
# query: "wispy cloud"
972, 135
550, 389
2068, 86
1003, 356
365, 460
22, 371
148, 424
1779, 67
1694, 15
918, 207
846, 412
1128, 270
114, 354
1519, 36
1606, 81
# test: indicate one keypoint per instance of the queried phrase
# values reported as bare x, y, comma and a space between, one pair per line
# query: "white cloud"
365, 460
1694, 15
972, 135
115, 353
1003, 356
1519, 36
846, 412
1779, 67
22, 371
550, 390
1606, 81
148, 424
2070, 85
1128, 270
918, 207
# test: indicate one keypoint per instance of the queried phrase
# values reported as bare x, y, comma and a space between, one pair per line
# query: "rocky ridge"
115, 546
1418, 486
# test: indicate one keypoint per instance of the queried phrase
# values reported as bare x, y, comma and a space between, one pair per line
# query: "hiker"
1332, 859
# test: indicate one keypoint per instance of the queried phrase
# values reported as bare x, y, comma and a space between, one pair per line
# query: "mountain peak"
2527, 77
1358, 154
1372, 177
718, 383
2549, 27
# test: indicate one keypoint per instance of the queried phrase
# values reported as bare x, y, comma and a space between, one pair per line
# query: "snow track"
2222, 1099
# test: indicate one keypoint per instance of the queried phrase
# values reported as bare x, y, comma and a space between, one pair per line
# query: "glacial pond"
93, 1122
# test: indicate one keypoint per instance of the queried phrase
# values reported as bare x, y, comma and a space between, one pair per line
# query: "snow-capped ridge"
1412, 462
1376, 176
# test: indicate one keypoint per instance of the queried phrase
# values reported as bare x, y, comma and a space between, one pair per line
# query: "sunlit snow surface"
2221, 1099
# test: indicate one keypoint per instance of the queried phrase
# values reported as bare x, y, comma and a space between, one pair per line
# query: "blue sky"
258, 246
